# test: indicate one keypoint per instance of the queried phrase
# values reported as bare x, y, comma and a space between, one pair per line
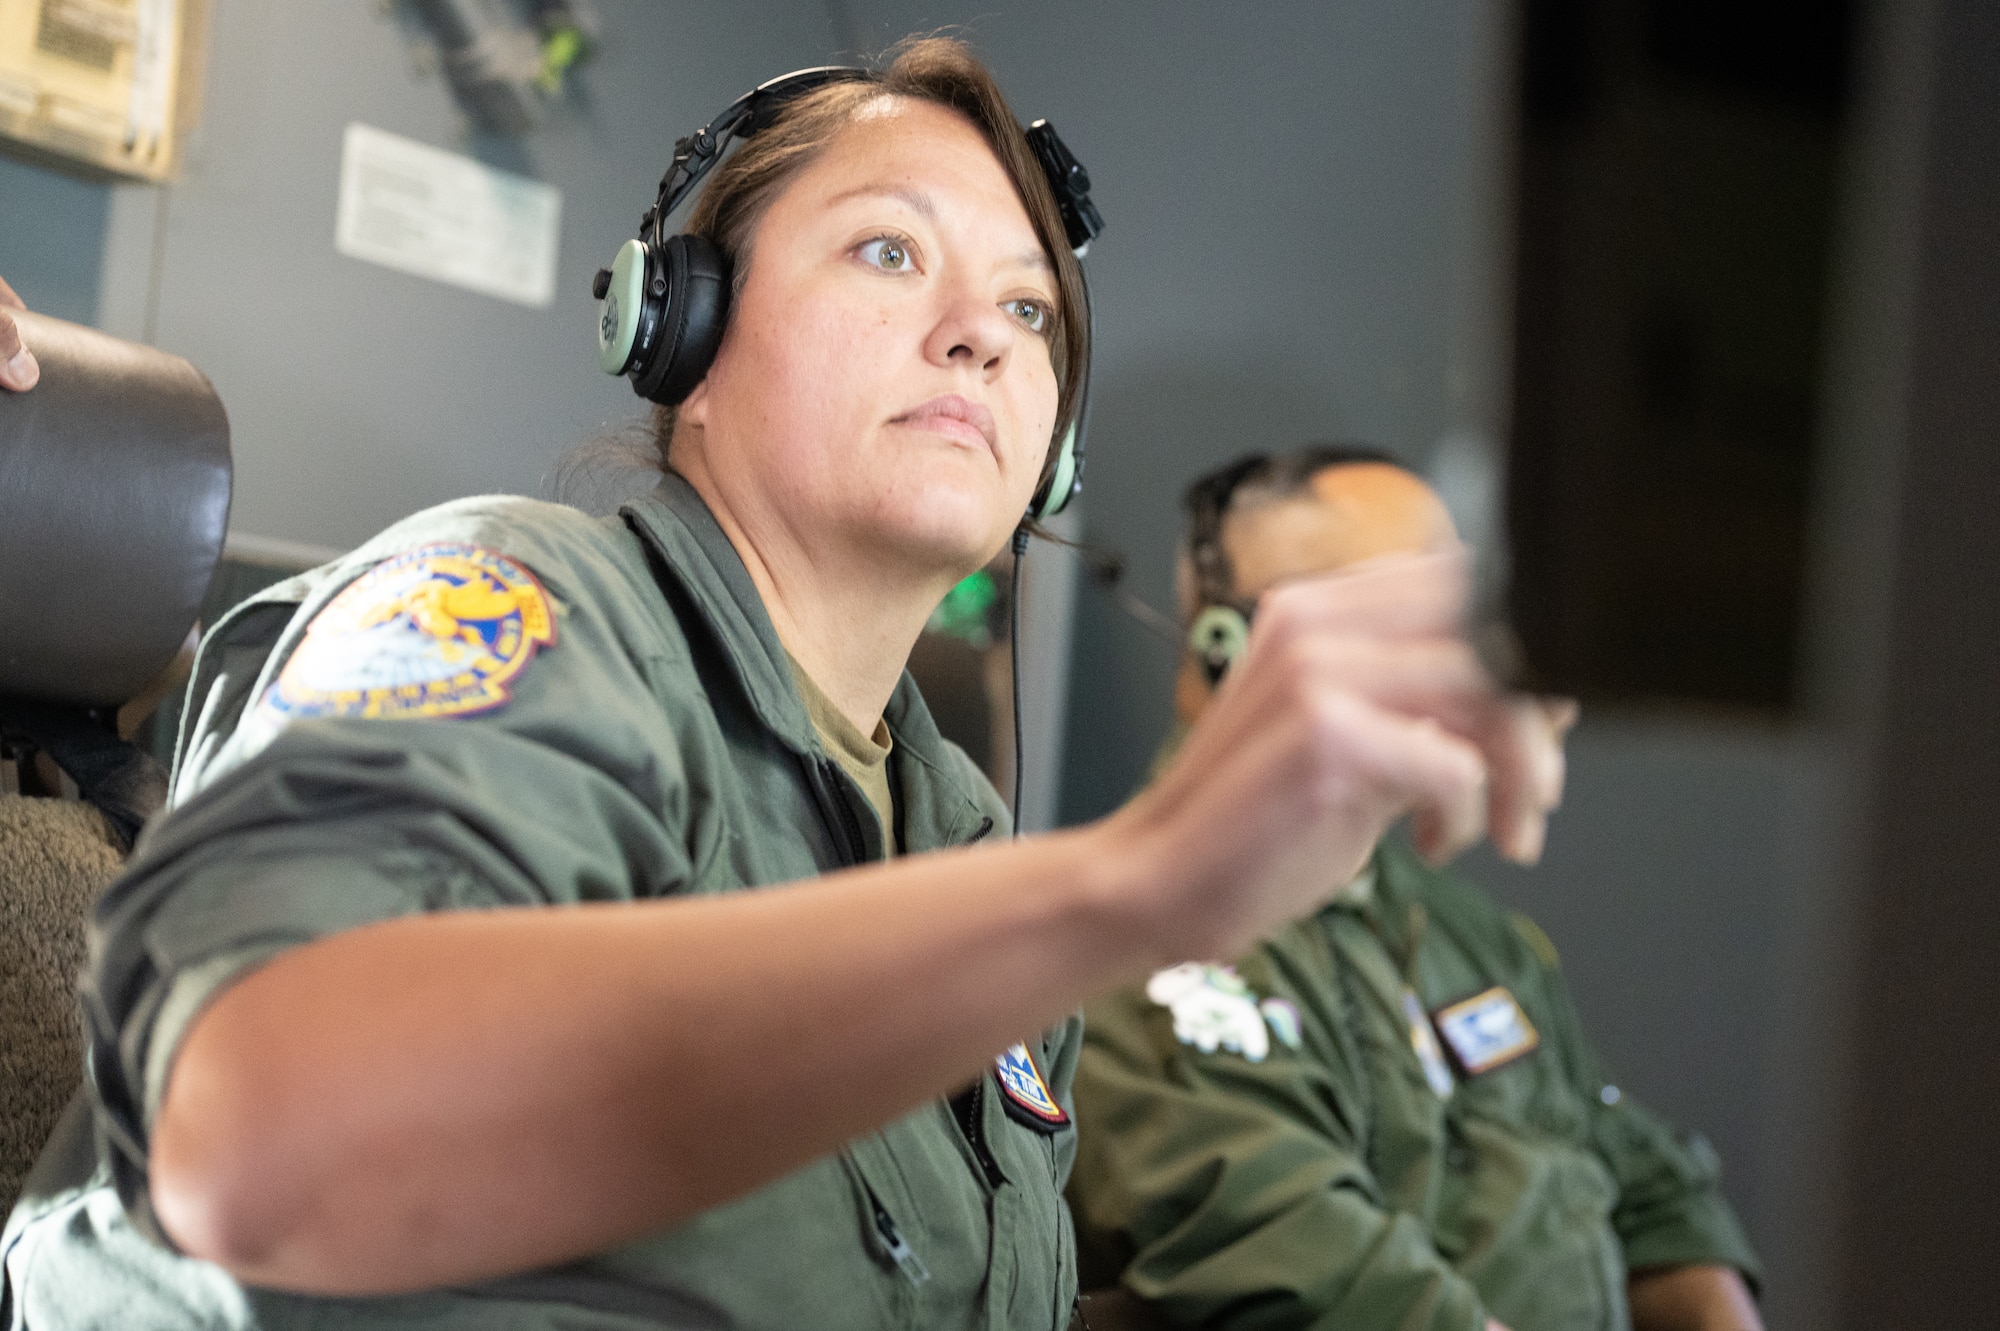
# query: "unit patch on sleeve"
1024, 1094
1423, 1040
442, 630
1486, 1031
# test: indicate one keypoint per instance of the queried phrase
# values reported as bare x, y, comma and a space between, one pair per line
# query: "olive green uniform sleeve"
1331, 1184
1235, 1193
655, 745
302, 830
1670, 1209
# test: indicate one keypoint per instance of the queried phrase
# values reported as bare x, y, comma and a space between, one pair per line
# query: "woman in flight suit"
341, 1076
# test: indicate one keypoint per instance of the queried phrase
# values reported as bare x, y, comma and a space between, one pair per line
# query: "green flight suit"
655, 745
1311, 1175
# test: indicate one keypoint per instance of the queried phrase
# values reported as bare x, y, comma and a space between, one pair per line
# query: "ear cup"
1065, 479
1219, 635
687, 297
621, 302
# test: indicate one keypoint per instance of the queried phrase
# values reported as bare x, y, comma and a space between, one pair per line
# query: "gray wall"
1305, 240
52, 239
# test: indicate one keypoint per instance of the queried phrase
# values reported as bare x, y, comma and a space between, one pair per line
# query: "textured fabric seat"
56, 855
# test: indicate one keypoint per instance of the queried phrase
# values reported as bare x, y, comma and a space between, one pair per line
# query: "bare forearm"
442, 1098
1692, 1298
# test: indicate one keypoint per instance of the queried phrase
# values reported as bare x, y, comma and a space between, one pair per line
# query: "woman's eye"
1034, 315
887, 253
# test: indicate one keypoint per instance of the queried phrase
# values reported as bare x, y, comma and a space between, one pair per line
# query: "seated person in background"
1386, 1116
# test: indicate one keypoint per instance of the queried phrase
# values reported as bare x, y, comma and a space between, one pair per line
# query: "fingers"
1442, 780
1394, 596
1389, 631
1364, 763
1266, 824
1357, 702
1524, 749
19, 370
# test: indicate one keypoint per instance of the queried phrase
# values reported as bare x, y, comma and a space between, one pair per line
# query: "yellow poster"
98, 83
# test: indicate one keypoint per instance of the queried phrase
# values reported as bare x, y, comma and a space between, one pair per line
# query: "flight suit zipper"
839, 815
969, 1108
899, 1249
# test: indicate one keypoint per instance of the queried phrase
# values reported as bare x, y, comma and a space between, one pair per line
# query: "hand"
1356, 701
1692, 1298
18, 367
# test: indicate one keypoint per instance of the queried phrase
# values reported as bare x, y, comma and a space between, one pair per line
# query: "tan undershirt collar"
863, 757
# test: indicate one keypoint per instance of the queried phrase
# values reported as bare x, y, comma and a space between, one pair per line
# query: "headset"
664, 301
1221, 628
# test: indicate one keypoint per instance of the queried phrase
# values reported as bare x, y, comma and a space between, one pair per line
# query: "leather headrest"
114, 500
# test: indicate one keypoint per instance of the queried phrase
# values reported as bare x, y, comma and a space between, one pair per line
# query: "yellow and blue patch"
442, 630
1024, 1094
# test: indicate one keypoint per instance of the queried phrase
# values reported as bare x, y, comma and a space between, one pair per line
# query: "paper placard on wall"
437, 214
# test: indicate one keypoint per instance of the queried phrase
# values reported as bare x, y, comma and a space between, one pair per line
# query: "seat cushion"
56, 856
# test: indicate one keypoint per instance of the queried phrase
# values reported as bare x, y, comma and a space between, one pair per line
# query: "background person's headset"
664, 301
1221, 627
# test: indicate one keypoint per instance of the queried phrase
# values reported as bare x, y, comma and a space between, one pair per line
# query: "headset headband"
696, 155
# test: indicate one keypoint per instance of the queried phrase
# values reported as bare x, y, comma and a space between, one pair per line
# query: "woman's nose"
971, 331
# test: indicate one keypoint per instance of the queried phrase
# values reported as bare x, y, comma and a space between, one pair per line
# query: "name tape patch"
1486, 1031
1424, 1041
1024, 1094
442, 630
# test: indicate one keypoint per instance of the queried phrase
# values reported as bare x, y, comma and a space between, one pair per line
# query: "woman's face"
886, 381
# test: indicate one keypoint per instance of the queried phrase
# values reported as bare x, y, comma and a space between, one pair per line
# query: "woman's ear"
693, 409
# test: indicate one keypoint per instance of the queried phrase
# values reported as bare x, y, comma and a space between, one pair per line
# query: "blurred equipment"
507, 60
104, 84
1677, 180
114, 494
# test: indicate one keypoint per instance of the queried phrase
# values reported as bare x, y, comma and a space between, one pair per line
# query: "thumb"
19, 370
22, 372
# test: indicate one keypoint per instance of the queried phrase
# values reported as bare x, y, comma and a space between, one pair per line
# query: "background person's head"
894, 243
1270, 518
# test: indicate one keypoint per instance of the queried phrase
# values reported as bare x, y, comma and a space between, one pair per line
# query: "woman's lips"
955, 418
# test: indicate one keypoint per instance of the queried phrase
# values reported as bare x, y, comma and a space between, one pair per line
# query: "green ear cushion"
1062, 481
618, 312
1219, 635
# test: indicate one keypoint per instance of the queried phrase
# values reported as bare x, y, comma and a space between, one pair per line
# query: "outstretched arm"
446, 1097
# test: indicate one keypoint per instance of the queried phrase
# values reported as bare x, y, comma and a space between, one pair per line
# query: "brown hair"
941, 70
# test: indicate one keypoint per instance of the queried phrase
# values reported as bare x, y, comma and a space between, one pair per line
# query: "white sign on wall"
437, 214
